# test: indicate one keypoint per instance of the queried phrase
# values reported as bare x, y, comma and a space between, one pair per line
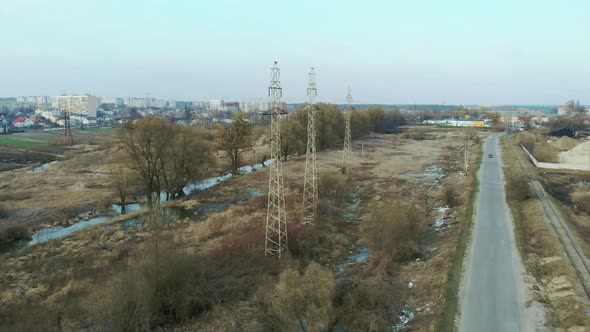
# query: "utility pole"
310, 190
363, 151
276, 219
347, 140
466, 150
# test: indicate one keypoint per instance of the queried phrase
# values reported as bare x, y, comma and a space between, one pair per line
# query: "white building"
76, 104
215, 105
34, 99
51, 114
43, 100
254, 106
138, 102
112, 100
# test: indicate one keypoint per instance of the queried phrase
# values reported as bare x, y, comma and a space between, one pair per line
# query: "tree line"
330, 126
164, 158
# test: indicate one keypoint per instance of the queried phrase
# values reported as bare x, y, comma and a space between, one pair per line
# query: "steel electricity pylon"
310, 190
347, 140
276, 219
68, 138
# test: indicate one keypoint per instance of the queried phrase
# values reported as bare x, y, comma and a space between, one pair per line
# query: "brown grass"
546, 153
537, 240
395, 230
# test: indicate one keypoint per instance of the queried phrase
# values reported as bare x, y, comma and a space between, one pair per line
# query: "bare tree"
189, 159
146, 143
164, 157
235, 138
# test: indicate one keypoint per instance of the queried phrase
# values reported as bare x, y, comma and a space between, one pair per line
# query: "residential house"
22, 122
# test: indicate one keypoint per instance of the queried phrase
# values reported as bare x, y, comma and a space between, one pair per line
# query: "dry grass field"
69, 283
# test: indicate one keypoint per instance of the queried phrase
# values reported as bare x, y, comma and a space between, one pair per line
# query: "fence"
540, 164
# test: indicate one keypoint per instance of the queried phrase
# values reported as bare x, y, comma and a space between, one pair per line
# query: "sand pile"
579, 155
565, 143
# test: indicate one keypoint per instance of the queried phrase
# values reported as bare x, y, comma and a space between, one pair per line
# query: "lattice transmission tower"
347, 140
276, 219
310, 190
68, 138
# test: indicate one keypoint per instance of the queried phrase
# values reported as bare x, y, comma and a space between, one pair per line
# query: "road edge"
451, 310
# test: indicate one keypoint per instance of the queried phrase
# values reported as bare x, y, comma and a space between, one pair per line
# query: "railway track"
574, 252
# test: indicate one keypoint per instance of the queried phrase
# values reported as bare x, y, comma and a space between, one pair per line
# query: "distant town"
87, 111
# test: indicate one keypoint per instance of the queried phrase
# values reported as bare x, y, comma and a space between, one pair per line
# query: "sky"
392, 52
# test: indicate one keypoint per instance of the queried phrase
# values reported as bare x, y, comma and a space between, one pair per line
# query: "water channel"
201, 211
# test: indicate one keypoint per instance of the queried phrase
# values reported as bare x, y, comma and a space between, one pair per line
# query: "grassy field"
53, 137
20, 142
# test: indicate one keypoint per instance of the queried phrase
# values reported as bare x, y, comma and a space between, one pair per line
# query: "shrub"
527, 140
517, 188
395, 230
546, 153
3, 211
451, 197
360, 303
582, 203
152, 293
418, 134
305, 299
333, 185
301, 240
15, 233
69, 155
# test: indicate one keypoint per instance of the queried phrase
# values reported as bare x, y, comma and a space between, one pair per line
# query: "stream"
174, 213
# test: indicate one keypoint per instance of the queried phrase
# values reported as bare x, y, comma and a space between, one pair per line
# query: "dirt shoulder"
551, 278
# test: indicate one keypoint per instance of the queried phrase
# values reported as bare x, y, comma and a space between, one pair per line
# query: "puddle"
404, 319
355, 201
94, 174
440, 219
212, 182
40, 168
362, 255
214, 207
46, 234
128, 208
430, 176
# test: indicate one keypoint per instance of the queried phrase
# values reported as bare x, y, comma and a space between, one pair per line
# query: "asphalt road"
491, 298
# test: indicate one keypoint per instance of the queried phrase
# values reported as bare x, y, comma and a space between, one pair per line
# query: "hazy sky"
413, 51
